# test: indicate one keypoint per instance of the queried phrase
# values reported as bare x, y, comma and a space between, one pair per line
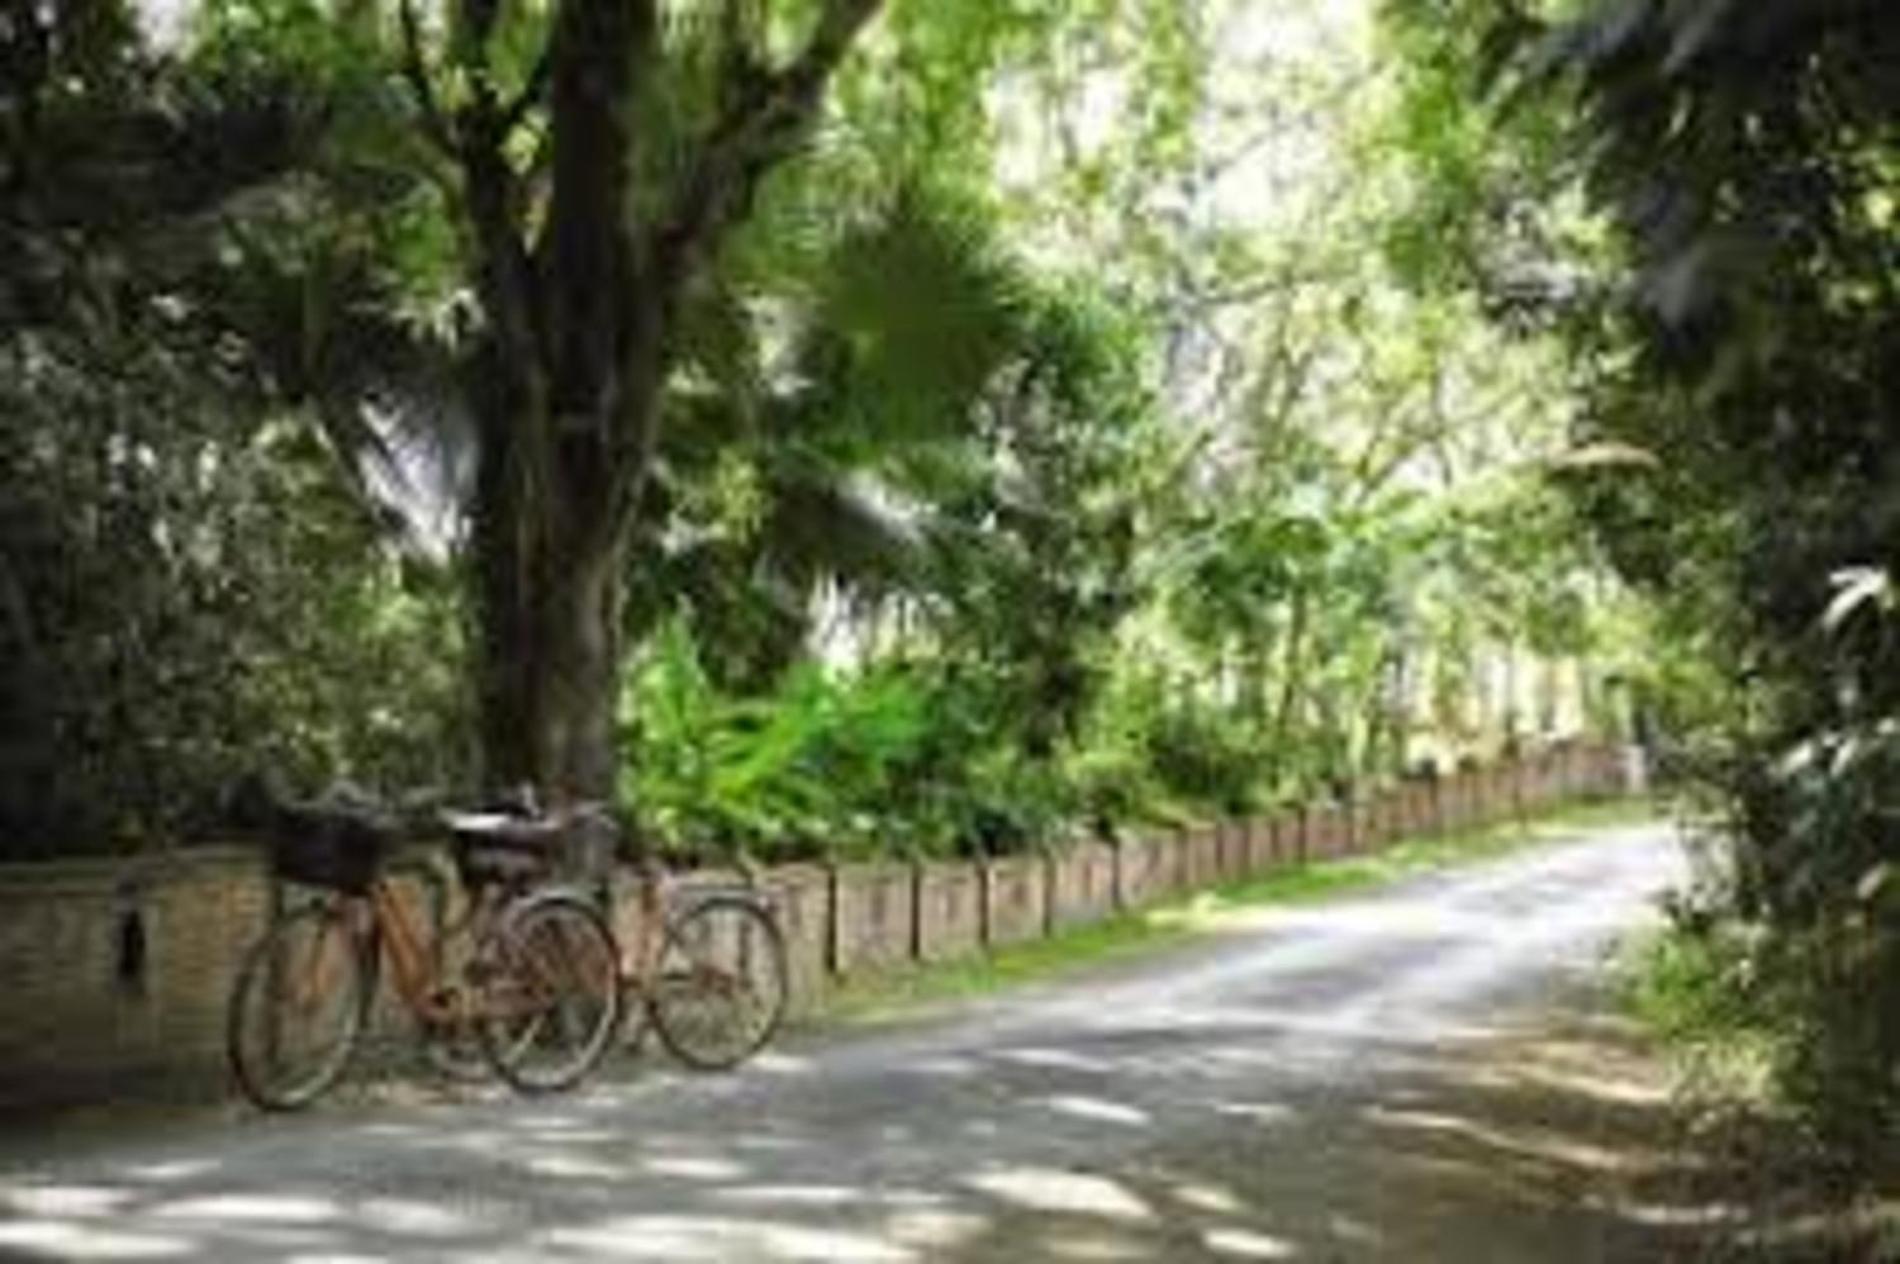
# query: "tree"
651, 146
1750, 157
184, 592
1737, 329
778, 486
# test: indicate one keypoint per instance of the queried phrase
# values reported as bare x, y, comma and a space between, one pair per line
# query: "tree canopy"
1726, 289
826, 427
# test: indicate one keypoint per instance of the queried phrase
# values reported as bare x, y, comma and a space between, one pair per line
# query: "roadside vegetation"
1708, 194
937, 427
916, 428
903, 427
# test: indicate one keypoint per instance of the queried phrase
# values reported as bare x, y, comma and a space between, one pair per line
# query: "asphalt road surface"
1305, 1084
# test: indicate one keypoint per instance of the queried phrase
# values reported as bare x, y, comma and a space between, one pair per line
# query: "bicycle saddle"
502, 829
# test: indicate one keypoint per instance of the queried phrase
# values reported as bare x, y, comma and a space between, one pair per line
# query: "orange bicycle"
535, 993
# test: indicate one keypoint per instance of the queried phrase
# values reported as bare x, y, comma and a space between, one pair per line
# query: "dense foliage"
187, 588
1770, 326
1018, 465
1733, 340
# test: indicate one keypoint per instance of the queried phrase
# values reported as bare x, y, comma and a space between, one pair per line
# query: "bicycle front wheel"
547, 993
298, 1008
720, 987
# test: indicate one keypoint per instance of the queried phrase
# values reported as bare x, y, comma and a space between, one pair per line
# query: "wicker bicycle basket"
334, 851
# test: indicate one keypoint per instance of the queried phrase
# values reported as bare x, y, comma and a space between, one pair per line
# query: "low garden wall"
116, 972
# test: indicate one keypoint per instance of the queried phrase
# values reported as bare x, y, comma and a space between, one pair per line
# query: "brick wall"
118, 972
949, 911
1081, 885
1235, 860
1146, 867
872, 912
1328, 832
1015, 899
801, 896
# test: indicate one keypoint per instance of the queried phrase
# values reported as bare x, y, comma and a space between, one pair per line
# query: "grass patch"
898, 993
1689, 991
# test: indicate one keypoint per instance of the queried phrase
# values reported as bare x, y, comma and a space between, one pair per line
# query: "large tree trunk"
566, 388
552, 525
579, 280
550, 610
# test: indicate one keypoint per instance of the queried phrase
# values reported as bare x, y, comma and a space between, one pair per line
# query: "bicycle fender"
554, 891
691, 897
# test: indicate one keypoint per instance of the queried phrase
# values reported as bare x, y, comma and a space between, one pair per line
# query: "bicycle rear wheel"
718, 992
547, 992
298, 1008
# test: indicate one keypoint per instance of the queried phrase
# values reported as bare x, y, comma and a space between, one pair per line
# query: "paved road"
1299, 1086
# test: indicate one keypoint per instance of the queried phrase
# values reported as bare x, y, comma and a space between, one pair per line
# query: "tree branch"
533, 88
764, 115
479, 18
434, 123
736, 61
838, 26
601, 52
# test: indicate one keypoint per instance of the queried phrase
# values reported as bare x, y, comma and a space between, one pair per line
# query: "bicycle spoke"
296, 1009
720, 988
552, 1001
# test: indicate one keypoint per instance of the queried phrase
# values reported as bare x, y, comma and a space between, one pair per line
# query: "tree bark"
551, 614
569, 369
1292, 685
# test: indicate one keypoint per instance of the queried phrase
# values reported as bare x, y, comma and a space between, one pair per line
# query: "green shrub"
899, 758
1205, 758
1792, 959
1690, 983
807, 769
1113, 785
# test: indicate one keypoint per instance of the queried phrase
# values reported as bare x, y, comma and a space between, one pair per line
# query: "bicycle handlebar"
515, 817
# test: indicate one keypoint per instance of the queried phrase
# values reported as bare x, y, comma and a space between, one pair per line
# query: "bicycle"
707, 966
538, 994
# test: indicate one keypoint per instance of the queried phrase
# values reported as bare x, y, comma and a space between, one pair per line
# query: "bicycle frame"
418, 980
487, 957
379, 921
639, 959
659, 907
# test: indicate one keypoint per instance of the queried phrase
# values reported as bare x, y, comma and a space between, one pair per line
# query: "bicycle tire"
691, 976
260, 982
545, 951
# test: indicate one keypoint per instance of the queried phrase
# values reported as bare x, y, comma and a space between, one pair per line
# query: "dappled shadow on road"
1306, 1090
1125, 1145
